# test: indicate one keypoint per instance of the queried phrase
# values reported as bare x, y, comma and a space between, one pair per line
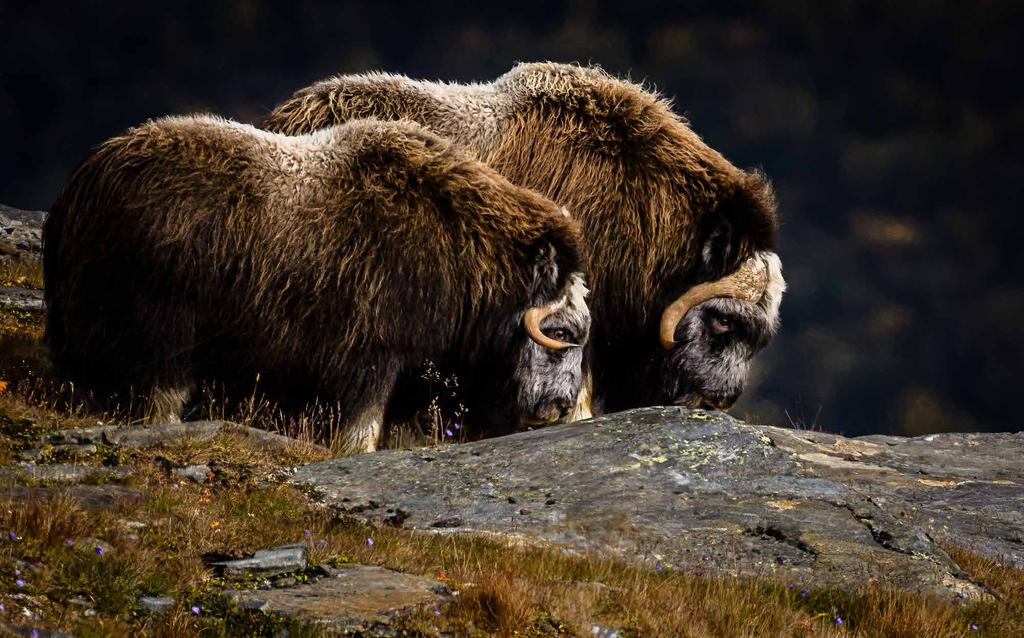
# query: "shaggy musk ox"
679, 241
194, 248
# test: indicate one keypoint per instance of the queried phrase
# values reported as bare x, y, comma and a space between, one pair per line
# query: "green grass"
157, 548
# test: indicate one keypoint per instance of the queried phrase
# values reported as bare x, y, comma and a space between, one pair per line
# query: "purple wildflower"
657, 567
19, 582
804, 592
99, 550
369, 542
2, 608
12, 536
17, 572
308, 533
457, 426
839, 620
974, 628
69, 543
449, 433
196, 610
34, 634
437, 612
790, 586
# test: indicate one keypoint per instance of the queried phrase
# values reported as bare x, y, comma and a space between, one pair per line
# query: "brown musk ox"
679, 242
195, 249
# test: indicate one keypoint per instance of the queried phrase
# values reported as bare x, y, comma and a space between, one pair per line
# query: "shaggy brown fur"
194, 248
661, 210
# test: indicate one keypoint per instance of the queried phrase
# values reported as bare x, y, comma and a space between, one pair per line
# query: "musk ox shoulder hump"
385, 96
603, 106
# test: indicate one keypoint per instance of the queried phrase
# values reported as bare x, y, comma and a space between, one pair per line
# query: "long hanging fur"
650, 195
195, 248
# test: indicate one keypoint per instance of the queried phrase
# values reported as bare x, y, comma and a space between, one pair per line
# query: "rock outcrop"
21, 232
701, 491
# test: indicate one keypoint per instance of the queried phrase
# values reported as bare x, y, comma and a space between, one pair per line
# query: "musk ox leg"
166, 404
364, 424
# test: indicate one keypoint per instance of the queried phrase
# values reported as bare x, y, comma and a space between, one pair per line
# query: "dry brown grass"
26, 274
157, 547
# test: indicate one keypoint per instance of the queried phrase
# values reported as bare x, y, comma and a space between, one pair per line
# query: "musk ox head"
549, 371
710, 333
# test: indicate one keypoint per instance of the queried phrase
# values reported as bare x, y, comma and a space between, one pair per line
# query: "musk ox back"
196, 249
662, 213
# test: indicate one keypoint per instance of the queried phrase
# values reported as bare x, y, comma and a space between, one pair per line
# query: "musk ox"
195, 248
679, 242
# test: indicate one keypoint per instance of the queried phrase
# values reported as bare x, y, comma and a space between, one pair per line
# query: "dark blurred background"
892, 132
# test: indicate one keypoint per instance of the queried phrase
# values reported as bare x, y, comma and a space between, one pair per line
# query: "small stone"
255, 604
197, 473
286, 581
268, 562
156, 604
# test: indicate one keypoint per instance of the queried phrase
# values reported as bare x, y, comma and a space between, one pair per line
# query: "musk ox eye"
721, 325
560, 334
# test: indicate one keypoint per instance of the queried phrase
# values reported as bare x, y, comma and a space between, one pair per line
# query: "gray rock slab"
145, 436
152, 435
19, 298
701, 491
72, 449
21, 233
88, 497
354, 599
268, 562
65, 472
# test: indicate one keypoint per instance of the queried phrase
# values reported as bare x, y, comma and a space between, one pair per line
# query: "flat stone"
66, 473
268, 562
701, 491
88, 497
80, 450
152, 435
18, 298
197, 473
353, 599
156, 604
145, 436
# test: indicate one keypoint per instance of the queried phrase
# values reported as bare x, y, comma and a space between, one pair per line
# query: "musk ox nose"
721, 403
555, 410
701, 402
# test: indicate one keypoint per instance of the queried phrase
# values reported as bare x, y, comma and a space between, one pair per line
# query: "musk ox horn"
748, 283
531, 321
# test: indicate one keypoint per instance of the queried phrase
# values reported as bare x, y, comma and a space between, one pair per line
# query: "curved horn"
531, 321
748, 283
